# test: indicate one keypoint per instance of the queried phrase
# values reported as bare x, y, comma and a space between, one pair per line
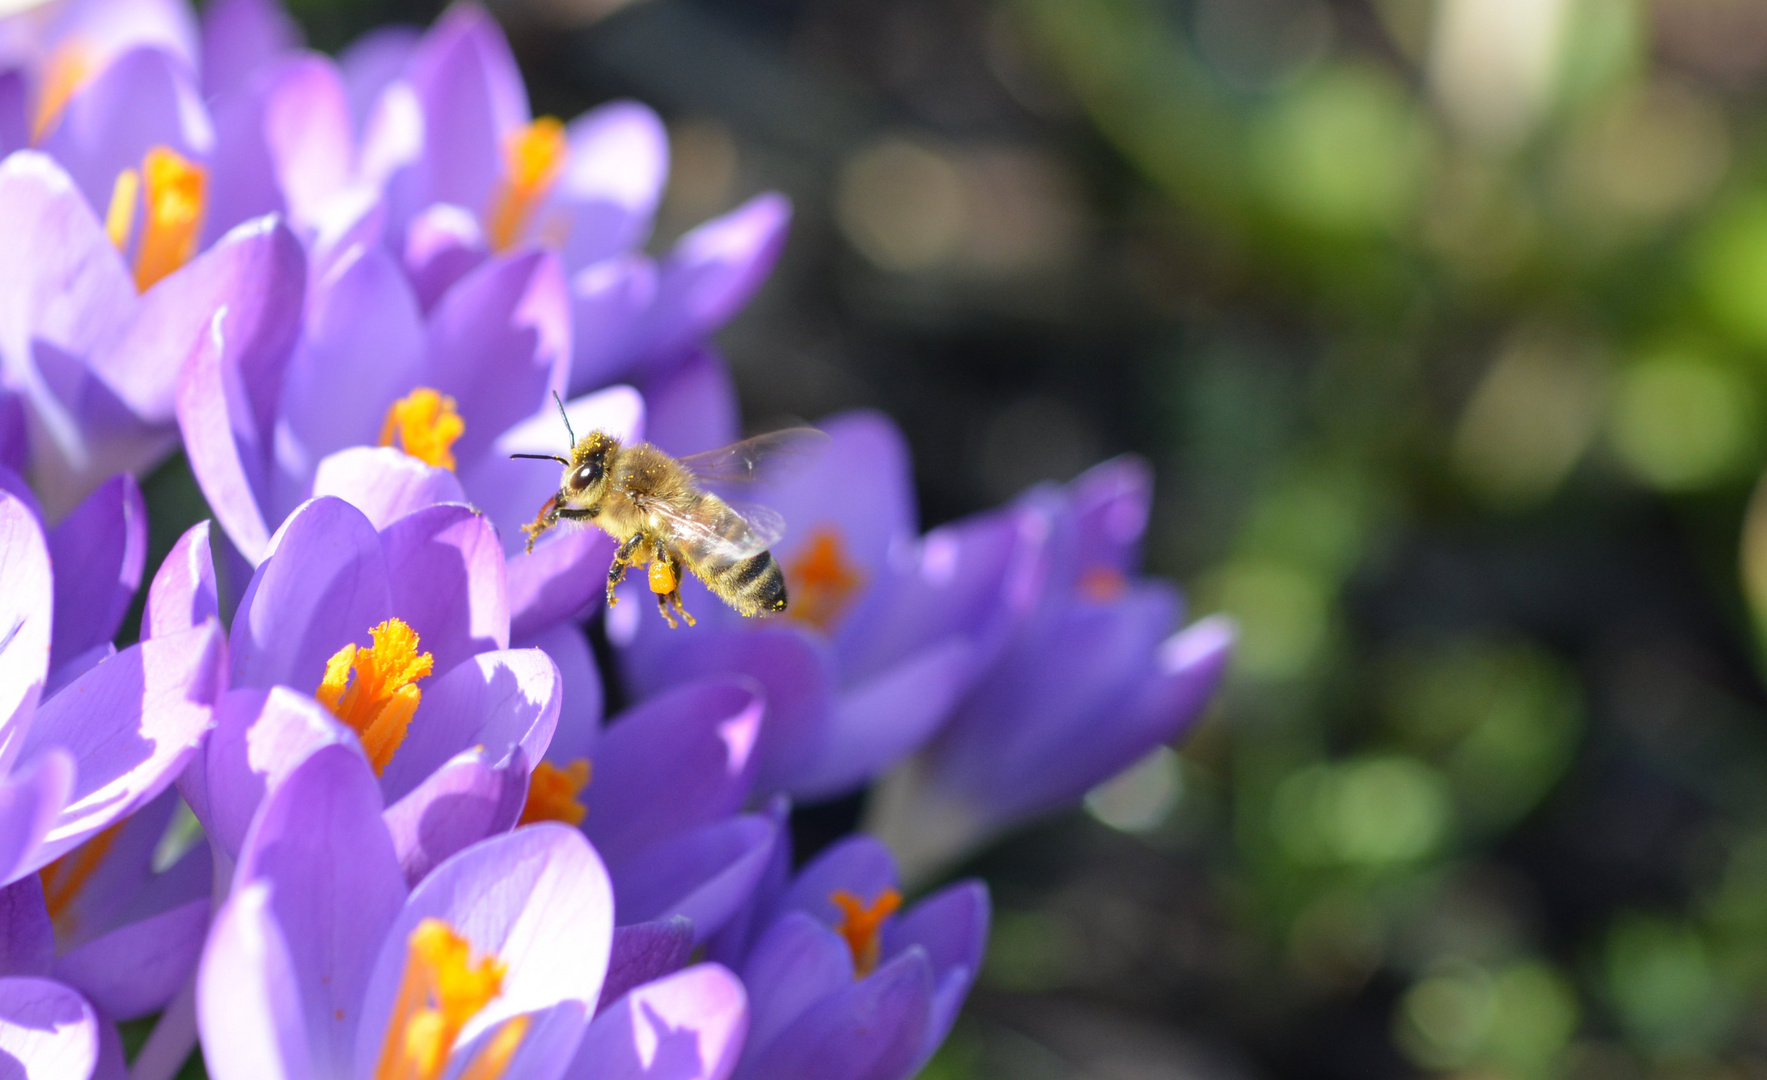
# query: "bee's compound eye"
585, 475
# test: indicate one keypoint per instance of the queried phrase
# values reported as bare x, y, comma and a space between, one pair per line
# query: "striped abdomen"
752, 584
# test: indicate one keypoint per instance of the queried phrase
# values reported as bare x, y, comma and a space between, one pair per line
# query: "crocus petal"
714, 270
692, 408
537, 899
619, 158
384, 483
110, 26
642, 952
335, 889
131, 723
870, 1030
859, 486
27, 937
858, 865
15, 124
30, 800
232, 476
240, 36
443, 244
499, 343
506, 702
611, 302
310, 135
372, 61
445, 564
47, 1031
25, 621
1111, 504
952, 927
183, 593
703, 875
324, 587
472, 95
138, 968
260, 737
579, 715
689, 1026
15, 435
456, 806
882, 721
248, 1004
122, 886
797, 962
100, 549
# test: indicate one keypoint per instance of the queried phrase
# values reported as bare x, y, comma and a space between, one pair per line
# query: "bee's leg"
616, 572
662, 607
675, 601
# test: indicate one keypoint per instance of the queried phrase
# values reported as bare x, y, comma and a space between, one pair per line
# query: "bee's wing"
742, 461
761, 528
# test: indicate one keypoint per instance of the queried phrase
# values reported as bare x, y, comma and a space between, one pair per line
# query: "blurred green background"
1445, 326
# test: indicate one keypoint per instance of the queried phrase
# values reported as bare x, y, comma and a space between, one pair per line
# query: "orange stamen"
65, 877
71, 65
119, 219
426, 424
553, 793
533, 156
1102, 584
862, 925
440, 991
177, 191
821, 579
374, 690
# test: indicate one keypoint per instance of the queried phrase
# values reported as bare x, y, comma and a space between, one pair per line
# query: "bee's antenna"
543, 457
567, 418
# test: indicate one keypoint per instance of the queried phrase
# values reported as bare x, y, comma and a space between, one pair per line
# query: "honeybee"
655, 507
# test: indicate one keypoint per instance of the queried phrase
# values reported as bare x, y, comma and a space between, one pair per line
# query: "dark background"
1442, 324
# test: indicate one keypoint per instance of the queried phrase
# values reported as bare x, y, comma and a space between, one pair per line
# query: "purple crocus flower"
1094, 679
842, 983
48, 1030
324, 963
82, 758
392, 643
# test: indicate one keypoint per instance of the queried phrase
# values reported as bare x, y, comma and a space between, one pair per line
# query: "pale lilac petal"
27, 938
231, 471
560, 581
65, 672
242, 181
26, 605
142, 99
880, 722
138, 968
363, 350
110, 26
619, 158
240, 36
260, 737
472, 95
697, 743
30, 800
443, 244
445, 564
506, 702
47, 1031
579, 716
100, 550
372, 61
248, 1004
858, 864
325, 587
499, 344
537, 899
641, 952
689, 1026
714, 270
183, 593
459, 804
310, 135
132, 723
693, 407
797, 962
871, 1030
384, 483
335, 889
704, 875
611, 302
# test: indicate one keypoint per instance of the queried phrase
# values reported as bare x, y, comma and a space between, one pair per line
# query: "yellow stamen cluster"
426, 425
553, 793
533, 156
65, 877
862, 925
177, 192
374, 690
821, 579
70, 66
442, 989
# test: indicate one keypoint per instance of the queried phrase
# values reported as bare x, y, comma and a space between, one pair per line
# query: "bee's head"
585, 475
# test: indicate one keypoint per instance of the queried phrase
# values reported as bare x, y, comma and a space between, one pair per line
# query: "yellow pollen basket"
176, 195
533, 156
442, 989
65, 877
374, 690
821, 579
862, 925
426, 425
71, 66
553, 793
